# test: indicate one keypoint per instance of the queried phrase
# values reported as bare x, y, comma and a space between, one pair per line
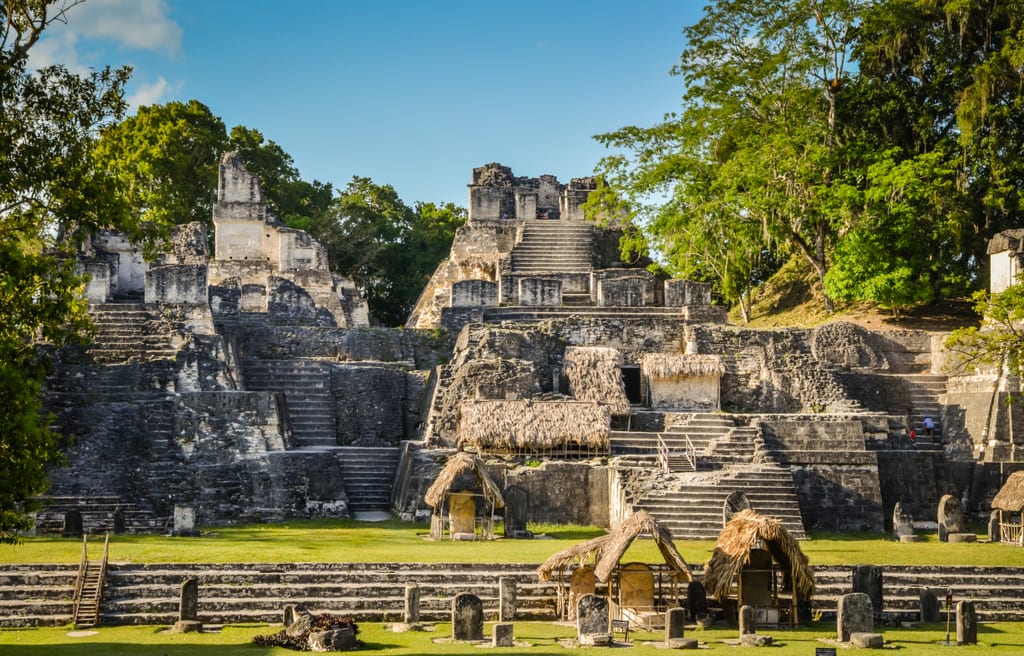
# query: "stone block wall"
836, 478
914, 479
470, 293
180, 284
540, 291
370, 404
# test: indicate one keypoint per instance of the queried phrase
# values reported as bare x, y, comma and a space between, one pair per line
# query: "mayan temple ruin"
246, 384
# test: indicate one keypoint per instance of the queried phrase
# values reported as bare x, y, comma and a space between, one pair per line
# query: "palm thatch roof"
457, 464
749, 530
526, 424
594, 375
608, 549
1011, 496
667, 365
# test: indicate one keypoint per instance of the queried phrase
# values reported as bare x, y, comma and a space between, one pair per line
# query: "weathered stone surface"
188, 600
467, 617
961, 537
675, 624
748, 620
503, 635
966, 623
591, 616
950, 517
595, 639
682, 643
868, 579
72, 524
755, 640
854, 614
902, 522
994, 527
411, 612
929, 606
866, 640
517, 508
301, 624
506, 599
343, 639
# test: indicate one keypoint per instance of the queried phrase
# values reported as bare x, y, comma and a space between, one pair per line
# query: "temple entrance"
634, 384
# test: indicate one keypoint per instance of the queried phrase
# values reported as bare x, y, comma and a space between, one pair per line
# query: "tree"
936, 108
290, 198
752, 159
1000, 343
51, 197
166, 160
389, 249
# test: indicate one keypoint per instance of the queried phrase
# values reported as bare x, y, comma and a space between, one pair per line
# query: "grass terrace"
397, 541
532, 638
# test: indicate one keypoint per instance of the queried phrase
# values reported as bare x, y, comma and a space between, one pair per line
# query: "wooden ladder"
89, 586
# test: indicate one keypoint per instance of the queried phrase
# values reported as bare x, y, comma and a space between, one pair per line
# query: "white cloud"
132, 24
148, 94
141, 24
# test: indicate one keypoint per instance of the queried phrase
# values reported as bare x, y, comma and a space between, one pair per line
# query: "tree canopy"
878, 141
51, 195
388, 248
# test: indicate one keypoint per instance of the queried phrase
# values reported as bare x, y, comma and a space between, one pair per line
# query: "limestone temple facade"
248, 385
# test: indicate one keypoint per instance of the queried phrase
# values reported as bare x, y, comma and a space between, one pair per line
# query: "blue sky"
409, 93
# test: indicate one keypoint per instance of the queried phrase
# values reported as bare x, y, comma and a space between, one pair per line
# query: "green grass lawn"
534, 638
395, 541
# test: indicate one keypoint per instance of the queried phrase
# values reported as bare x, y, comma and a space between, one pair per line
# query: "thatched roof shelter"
608, 549
594, 375
1010, 497
748, 530
457, 464
537, 425
667, 365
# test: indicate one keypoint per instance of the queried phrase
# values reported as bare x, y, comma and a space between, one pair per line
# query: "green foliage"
1000, 343
879, 141
747, 167
389, 249
290, 198
50, 198
166, 160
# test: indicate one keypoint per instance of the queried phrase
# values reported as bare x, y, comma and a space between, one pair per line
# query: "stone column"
506, 599
188, 607
748, 621
411, 614
854, 614
966, 623
467, 617
868, 579
929, 606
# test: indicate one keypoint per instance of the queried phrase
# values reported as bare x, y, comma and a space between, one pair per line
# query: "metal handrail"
83, 565
662, 454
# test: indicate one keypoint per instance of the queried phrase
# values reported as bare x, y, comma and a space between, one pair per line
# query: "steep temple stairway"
728, 458
554, 247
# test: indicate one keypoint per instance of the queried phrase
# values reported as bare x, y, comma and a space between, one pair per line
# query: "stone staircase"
97, 515
369, 474
38, 595
554, 247
41, 594
547, 313
306, 385
691, 505
716, 439
996, 591
128, 332
926, 394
